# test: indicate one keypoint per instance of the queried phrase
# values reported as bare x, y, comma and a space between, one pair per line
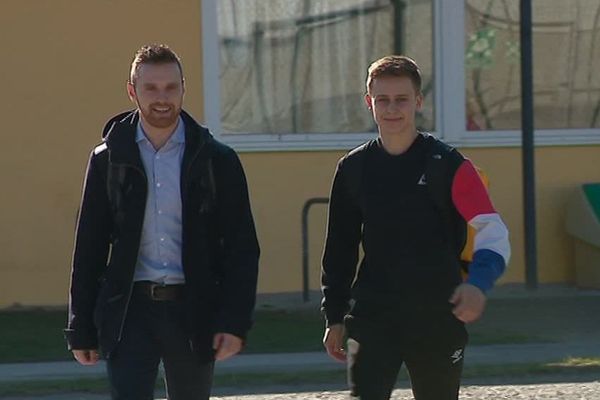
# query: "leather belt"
159, 291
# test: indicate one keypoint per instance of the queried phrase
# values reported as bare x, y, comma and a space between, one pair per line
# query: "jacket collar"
120, 139
197, 138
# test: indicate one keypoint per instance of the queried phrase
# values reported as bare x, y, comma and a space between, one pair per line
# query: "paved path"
568, 387
475, 355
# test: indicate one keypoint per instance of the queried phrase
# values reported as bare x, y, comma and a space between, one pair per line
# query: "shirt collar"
177, 137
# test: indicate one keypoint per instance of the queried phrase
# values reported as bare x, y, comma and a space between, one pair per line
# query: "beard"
160, 115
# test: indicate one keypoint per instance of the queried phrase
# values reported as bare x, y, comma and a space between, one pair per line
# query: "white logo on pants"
457, 356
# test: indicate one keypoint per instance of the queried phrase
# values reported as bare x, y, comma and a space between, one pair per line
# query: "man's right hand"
333, 340
86, 357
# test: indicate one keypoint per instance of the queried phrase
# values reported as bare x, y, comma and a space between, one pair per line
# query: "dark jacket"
219, 245
410, 233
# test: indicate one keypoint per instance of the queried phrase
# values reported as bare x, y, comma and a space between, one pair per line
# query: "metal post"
399, 26
531, 279
305, 209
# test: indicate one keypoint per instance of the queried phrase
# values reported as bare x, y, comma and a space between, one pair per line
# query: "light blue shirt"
159, 257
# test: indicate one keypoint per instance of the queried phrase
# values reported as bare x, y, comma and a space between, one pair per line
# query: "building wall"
64, 68
282, 182
64, 74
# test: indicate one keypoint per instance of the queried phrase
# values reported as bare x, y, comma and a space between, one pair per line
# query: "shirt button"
160, 211
165, 264
162, 239
158, 157
158, 185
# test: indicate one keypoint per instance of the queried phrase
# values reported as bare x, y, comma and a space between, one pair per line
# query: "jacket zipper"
141, 171
184, 191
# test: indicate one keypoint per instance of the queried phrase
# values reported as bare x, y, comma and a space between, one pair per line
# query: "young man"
409, 301
166, 255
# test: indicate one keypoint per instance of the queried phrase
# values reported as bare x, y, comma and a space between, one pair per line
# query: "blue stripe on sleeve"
486, 267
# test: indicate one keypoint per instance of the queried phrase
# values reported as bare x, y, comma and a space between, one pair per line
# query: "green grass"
28, 336
37, 388
541, 319
298, 331
570, 367
36, 335
278, 331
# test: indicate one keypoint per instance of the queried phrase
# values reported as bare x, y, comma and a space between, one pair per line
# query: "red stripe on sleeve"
469, 195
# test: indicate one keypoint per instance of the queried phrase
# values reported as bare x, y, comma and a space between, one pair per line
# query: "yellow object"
467, 252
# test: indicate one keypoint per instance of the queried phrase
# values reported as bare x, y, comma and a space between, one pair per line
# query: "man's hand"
469, 302
86, 357
333, 340
226, 345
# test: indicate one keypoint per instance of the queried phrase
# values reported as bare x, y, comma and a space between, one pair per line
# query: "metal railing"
309, 203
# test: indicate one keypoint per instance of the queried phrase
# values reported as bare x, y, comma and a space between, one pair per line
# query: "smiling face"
394, 101
158, 93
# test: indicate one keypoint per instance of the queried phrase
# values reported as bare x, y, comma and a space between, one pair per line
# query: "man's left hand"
226, 345
469, 302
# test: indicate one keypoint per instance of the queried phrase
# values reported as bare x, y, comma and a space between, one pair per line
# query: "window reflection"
299, 66
566, 56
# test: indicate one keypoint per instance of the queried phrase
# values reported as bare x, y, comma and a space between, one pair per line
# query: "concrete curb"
291, 362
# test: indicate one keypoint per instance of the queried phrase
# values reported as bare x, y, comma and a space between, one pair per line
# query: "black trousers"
430, 342
153, 331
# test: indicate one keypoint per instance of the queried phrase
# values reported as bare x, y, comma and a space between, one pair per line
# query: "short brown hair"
153, 54
394, 66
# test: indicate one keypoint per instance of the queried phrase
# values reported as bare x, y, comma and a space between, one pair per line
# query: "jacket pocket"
108, 298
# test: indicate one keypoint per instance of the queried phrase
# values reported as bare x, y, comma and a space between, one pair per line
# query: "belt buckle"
153, 288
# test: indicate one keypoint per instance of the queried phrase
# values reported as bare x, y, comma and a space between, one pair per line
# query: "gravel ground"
562, 391
554, 388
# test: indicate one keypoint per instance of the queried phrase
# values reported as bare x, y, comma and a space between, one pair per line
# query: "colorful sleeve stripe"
469, 195
486, 267
491, 248
491, 234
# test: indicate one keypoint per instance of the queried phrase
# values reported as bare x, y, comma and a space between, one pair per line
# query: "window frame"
455, 131
449, 89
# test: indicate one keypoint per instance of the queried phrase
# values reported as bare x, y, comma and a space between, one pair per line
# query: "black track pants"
430, 345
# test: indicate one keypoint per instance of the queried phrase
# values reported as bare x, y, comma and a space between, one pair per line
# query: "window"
566, 56
296, 69
289, 74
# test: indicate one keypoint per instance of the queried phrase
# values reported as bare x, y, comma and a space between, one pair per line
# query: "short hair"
394, 66
153, 54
